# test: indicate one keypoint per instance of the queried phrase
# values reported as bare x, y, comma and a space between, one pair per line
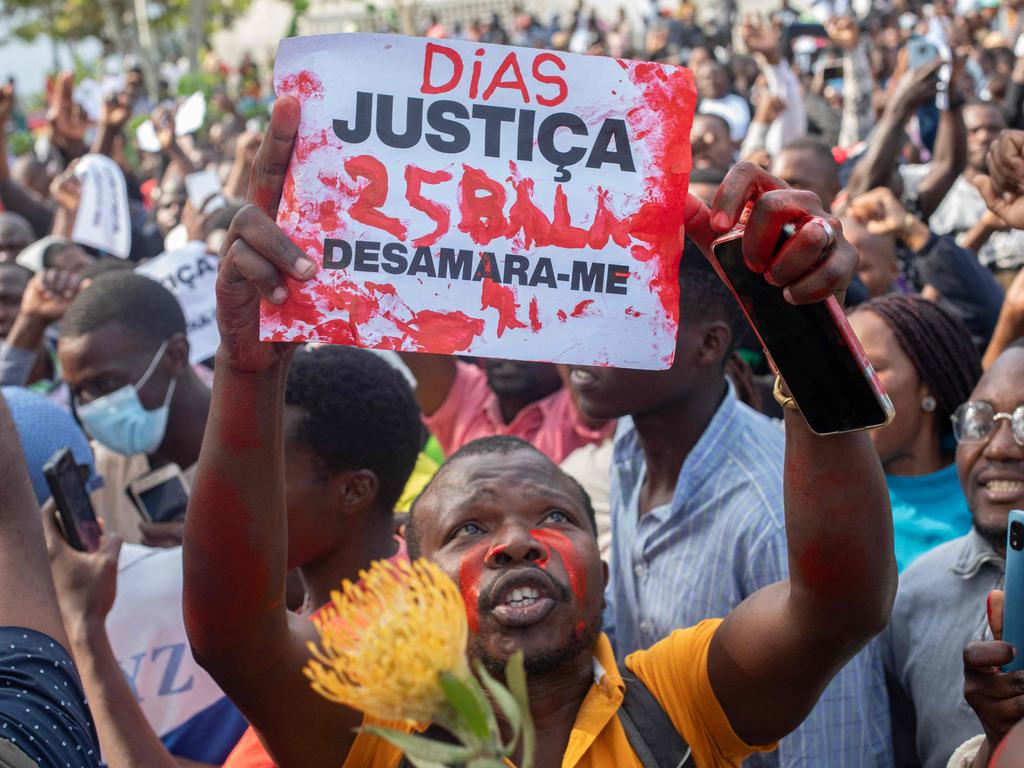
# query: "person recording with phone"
940, 604
994, 690
121, 608
124, 350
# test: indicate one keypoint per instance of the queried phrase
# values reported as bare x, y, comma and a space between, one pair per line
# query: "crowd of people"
787, 599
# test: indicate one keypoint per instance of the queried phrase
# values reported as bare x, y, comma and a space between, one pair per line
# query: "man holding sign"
728, 687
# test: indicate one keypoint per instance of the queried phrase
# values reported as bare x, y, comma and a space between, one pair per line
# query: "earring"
928, 404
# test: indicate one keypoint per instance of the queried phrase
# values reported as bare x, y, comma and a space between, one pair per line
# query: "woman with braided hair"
928, 364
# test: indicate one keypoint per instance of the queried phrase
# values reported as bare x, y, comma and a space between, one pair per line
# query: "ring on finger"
830, 237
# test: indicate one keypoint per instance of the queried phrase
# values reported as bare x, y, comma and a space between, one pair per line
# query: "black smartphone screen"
833, 390
165, 502
77, 517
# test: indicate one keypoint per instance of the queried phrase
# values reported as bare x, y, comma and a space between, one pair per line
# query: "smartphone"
920, 52
160, 496
833, 73
1013, 590
75, 515
811, 346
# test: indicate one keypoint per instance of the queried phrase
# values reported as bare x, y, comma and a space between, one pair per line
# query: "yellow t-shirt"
676, 671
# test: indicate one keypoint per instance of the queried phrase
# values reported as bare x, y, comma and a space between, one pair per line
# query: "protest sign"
102, 220
484, 199
190, 273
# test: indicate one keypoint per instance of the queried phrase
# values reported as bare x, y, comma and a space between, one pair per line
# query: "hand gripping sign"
485, 200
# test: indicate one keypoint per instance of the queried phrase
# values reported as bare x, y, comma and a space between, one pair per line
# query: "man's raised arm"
776, 651
236, 533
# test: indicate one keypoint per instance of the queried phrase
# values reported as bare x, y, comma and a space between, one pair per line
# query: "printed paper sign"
190, 273
102, 220
485, 200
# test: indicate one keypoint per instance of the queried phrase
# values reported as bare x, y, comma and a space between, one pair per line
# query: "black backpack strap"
649, 729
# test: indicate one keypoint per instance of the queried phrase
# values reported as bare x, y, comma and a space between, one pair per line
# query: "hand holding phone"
783, 259
75, 515
160, 496
1013, 591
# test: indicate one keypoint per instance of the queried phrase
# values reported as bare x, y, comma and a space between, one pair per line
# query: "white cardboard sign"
103, 219
485, 200
190, 273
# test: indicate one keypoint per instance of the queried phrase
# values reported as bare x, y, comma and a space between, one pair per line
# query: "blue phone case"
1013, 606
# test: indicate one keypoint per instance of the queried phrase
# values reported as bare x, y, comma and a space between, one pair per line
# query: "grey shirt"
940, 607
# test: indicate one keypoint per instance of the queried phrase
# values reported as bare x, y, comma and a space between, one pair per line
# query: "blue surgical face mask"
121, 423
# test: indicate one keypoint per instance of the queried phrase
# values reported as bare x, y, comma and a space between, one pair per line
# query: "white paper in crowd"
89, 94
190, 273
103, 220
486, 200
188, 118
146, 138
202, 188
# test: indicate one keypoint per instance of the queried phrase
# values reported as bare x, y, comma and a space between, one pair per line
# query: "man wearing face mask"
124, 352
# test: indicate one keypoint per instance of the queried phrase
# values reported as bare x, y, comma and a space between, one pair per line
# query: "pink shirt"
471, 411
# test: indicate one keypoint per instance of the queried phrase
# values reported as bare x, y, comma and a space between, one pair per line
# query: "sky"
29, 62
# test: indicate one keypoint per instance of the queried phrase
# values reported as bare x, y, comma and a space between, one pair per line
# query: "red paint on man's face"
560, 543
471, 567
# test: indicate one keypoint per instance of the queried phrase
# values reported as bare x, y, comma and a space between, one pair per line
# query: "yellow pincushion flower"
386, 641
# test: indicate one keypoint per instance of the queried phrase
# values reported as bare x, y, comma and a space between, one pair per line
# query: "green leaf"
419, 762
471, 705
422, 748
515, 677
505, 700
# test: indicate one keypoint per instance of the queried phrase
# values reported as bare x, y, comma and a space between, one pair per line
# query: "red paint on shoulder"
582, 307
302, 85
502, 298
534, 315
633, 313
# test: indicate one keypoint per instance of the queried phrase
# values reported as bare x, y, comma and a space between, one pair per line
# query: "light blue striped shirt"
722, 538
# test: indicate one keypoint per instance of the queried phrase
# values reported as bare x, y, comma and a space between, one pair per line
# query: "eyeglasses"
975, 421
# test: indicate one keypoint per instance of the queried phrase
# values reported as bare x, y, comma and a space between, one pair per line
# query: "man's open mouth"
523, 599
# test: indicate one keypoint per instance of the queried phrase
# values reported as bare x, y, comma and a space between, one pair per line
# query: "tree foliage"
74, 20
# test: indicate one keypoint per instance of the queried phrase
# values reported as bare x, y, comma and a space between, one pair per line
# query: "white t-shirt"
186, 708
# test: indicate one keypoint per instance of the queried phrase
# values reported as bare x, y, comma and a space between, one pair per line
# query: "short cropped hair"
137, 303
359, 412
703, 295
489, 446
